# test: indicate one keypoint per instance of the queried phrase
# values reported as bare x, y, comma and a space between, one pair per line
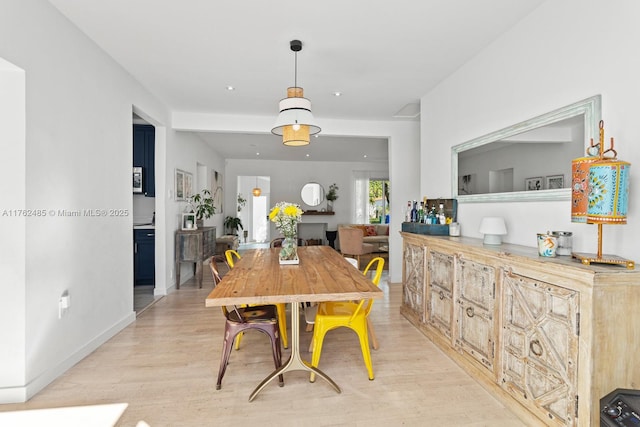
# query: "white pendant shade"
295, 123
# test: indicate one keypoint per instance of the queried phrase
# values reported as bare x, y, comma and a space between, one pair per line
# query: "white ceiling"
381, 55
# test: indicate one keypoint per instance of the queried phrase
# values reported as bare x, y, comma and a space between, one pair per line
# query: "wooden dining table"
322, 275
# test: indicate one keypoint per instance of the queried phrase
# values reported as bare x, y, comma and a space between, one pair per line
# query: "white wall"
76, 155
563, 52
12, 224
187, 152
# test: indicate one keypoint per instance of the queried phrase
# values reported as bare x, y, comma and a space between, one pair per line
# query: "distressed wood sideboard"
549, 337
194, 246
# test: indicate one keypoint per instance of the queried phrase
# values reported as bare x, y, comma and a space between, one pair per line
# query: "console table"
194, 246
548, 336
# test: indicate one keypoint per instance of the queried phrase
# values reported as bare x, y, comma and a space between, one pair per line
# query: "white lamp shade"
295, 113
493, 228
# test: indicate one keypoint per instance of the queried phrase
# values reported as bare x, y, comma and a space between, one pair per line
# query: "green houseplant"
233, 224
331, 196
202, 204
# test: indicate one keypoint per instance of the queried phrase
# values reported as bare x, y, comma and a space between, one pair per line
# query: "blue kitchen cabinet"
144, 242
144, 137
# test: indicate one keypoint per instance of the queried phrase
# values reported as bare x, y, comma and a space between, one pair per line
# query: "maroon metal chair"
261, 318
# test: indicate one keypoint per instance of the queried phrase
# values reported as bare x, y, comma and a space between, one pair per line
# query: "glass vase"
289, 251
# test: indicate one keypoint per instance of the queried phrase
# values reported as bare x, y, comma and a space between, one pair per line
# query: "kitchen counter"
144, 226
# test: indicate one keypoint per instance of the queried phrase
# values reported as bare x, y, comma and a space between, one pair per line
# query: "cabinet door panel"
475, 307
540, 345
414, 275
441, 291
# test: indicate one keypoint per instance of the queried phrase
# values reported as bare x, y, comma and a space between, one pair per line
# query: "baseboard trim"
24, 393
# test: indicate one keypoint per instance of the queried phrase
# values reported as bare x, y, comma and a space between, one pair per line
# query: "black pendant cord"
295, 77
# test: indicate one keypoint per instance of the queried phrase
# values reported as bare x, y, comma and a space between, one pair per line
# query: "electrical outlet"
64, 303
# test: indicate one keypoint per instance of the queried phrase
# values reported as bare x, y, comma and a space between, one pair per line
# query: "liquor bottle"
414, 212
407, 214
442, 218
434, 217
421, 213
429, 218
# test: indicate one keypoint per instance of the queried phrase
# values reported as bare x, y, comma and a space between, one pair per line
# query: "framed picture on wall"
533, 184
183, 185
467, 184
555, 182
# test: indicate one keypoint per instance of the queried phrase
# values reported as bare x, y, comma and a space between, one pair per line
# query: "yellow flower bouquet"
286, 217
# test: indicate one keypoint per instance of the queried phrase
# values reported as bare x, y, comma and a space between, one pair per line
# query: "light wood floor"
165, 367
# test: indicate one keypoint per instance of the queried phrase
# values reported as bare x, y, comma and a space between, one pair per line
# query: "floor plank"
165, 366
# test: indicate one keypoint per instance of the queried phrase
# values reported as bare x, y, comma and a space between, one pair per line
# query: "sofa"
376, 234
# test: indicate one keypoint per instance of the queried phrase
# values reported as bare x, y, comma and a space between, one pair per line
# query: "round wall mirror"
312, 194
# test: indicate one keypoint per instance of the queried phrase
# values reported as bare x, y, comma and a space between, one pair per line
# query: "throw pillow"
371, 230
363, 228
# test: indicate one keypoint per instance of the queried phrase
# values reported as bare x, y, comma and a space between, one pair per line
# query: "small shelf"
317, 213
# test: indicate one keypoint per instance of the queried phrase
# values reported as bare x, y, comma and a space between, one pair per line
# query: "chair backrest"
366, 304
351, 240
216, 279
276, 243
378, 271
231, 256
214, 272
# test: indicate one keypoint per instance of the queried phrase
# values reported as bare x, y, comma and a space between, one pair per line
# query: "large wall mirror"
528, 161
312, 194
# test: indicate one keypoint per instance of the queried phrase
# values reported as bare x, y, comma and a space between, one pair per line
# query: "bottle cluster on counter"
421, 213
431, 216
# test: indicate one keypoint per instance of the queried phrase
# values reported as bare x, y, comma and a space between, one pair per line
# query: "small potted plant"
332, 195
202, 204
233, 224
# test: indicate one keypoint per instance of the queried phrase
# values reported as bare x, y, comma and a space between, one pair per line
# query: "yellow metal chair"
348, 314
232, 256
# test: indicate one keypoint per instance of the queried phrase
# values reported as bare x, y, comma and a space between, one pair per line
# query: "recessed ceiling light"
308, 155
337, 93
230, 88
257, 154
365, 156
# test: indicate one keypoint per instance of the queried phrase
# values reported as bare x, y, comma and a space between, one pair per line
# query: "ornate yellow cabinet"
547, 336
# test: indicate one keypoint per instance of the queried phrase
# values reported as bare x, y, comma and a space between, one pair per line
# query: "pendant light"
256, 190
295, 121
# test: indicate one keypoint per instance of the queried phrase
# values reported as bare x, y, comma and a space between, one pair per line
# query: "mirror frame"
324, 193
591, 108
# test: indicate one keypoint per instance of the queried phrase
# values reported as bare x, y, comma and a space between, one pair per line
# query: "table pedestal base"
295, 362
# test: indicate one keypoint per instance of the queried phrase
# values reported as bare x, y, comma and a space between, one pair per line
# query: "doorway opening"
253, 210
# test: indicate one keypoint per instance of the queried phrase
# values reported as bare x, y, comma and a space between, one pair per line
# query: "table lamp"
493, 228
607, 199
